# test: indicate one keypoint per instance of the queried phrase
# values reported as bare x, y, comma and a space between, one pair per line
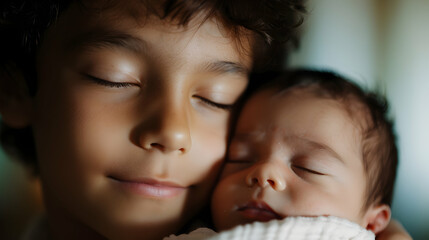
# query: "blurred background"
382, 44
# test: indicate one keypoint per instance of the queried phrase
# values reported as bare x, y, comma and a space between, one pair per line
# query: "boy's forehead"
82, 25
130, 7
105, 13
113, 21
138, 13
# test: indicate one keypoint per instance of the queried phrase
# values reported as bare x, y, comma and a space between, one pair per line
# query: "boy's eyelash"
214, 104
309, 170
109, 83
125, 84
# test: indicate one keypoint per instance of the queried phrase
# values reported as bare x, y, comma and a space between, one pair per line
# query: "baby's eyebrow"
108, 39
321, 146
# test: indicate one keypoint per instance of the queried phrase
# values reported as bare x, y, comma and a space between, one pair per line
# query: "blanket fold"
296, 228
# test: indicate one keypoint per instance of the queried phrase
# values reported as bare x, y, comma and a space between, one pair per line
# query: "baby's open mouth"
258, 211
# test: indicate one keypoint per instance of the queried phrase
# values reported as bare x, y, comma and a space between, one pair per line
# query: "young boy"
309, 144
122, 107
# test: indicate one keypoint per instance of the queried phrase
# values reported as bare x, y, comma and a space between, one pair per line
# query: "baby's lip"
258, 211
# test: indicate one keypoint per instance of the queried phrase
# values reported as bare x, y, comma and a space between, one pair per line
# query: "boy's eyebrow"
226, 67
109, 39
116, 39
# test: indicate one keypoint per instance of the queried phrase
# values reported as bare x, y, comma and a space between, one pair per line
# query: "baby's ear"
378, 217
15, 100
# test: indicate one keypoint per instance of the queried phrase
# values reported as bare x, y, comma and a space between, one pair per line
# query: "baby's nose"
266, 174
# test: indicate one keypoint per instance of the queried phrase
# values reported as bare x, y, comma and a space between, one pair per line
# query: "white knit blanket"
297, 228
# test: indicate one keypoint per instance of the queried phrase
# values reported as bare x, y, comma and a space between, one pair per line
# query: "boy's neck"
62, 226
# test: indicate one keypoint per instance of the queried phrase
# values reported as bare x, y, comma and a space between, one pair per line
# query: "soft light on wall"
383, 44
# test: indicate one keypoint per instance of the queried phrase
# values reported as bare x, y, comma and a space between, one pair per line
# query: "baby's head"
309, 143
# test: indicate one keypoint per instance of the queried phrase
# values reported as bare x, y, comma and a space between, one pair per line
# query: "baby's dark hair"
368, 109
24, 22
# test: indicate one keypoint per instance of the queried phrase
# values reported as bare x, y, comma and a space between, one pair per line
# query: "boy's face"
292, 154
129, 119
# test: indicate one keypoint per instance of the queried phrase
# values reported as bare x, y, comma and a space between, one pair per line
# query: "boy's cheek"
229, 193
208, 154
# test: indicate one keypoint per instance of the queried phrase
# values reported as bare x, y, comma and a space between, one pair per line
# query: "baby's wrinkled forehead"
355, 109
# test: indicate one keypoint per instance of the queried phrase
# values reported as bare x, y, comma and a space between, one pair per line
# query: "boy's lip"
258, 211
150, 187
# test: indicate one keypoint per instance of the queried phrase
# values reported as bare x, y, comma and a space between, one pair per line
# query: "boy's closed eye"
214, 104
111, 84
120, 84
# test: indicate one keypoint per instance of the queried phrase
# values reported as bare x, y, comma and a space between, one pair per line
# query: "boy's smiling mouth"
150, 187
258, 211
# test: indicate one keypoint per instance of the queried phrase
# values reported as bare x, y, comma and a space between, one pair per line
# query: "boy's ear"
15, 100
378, 218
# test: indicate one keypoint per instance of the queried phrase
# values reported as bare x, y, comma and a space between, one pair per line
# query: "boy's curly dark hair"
379, 150
23, 23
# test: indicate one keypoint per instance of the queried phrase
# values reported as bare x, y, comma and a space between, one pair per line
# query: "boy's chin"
137, 226
137, 218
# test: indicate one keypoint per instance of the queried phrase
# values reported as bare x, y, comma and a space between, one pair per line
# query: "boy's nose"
266, 174
168, 131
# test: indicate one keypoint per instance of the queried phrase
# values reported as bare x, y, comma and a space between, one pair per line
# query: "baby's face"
130, 119
292, 154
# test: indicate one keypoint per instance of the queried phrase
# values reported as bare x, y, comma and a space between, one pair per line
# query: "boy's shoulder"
37, 230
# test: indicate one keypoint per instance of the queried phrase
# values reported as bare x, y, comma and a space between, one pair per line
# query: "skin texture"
129, 120
294, 154
157, 126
